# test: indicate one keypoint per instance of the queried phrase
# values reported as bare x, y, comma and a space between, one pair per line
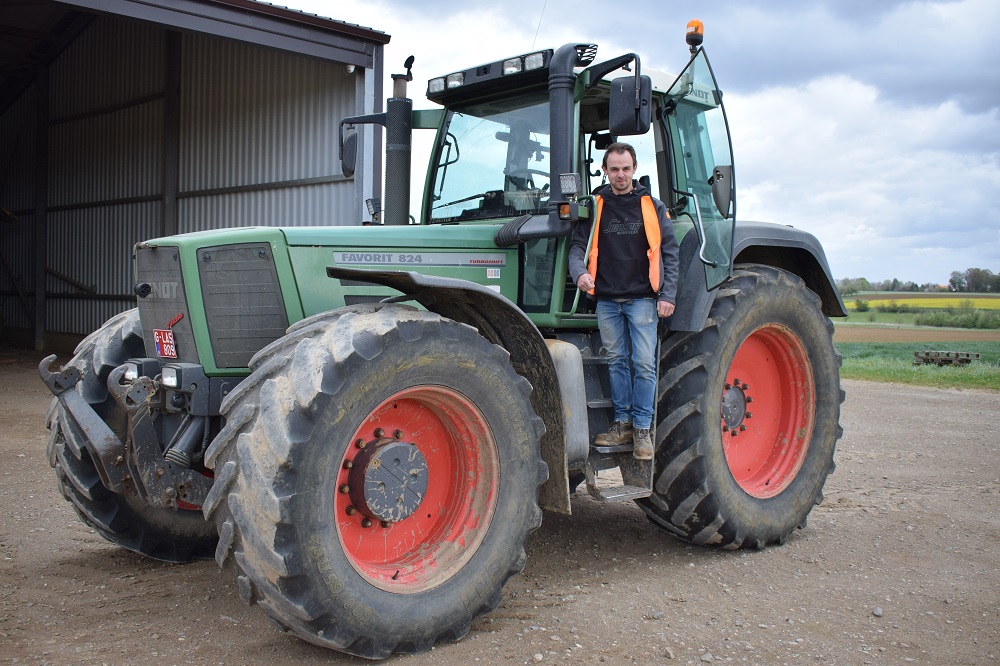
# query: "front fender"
501, 322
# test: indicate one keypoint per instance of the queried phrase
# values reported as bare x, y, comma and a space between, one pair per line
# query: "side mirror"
349, 152
630, 104
722, 188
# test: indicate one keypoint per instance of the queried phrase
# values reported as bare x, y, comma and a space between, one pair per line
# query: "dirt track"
898, 565
865, 333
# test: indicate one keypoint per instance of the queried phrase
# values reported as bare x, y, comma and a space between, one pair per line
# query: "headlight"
169, 376
455, 80
140, 367
435, 86
534, 61
512, 66
569, 184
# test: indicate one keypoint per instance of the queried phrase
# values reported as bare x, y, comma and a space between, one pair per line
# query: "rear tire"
121, 518
749, 415
295, 463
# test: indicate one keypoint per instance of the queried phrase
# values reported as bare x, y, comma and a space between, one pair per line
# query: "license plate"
164, 341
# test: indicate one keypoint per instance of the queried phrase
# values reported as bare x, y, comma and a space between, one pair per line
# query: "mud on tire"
121, 518
751, 409
337, 387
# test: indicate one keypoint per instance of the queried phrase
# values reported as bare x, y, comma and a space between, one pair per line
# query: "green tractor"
367, 421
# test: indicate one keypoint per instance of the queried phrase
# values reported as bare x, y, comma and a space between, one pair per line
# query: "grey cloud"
914, 52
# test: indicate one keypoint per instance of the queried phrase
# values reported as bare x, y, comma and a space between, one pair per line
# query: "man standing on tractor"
634, 280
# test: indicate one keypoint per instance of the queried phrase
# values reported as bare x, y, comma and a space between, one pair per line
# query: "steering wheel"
526, 176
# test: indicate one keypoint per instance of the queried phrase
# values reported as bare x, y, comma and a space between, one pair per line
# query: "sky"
872, 124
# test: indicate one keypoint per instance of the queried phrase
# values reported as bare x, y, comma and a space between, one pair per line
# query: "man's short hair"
619, 148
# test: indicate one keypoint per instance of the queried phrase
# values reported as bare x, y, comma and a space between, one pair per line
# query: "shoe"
643, 445
619, 433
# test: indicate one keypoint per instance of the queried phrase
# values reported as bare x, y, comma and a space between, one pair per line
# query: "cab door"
702, 164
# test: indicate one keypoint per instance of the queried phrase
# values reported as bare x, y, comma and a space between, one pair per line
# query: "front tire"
749, 415
334, 544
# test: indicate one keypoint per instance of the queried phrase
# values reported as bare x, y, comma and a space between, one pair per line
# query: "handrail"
701, 229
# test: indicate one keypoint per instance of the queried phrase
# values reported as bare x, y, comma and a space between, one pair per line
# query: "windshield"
492, 161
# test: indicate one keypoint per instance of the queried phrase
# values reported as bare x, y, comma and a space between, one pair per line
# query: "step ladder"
637, 475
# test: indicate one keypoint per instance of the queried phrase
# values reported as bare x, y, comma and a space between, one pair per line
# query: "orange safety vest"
651, 222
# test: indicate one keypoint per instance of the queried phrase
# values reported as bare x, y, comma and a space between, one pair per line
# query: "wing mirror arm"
595, 73
347, 146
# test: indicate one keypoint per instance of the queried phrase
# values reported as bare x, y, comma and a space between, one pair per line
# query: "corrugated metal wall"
107, 157
257, 146
112, 62
254, 117
106, 95
93, 246
17, 164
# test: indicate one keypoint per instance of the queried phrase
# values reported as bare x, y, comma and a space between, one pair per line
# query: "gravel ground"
898, 565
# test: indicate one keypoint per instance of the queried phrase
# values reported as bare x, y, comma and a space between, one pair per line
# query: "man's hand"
664, 309
585, 282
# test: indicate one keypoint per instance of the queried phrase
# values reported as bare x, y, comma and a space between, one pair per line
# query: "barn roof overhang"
34, 32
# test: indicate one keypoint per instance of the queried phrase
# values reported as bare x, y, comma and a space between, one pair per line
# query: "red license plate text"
164, 341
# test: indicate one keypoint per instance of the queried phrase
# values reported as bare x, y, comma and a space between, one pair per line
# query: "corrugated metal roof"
307, 17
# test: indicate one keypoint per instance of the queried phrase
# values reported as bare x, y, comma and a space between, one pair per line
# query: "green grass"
893, 362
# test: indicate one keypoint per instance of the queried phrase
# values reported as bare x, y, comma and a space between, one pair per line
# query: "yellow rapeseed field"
930, 301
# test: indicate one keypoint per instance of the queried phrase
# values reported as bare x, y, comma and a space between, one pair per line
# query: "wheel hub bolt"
749, 415
379, 432
742, 428
733, 433
734, 406
344, 488
351, 511
388, 481
745, 386
366, 522
398, 434
348, 464
360, 443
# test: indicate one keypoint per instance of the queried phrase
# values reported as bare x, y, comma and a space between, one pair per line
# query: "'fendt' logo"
165, 290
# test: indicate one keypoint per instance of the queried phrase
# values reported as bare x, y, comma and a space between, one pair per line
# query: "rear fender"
764, 243
793, 250
502, 323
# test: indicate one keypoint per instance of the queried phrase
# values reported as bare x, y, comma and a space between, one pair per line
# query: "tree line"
978, 280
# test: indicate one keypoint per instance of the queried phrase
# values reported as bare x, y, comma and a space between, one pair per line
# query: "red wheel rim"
768, 409
437, 539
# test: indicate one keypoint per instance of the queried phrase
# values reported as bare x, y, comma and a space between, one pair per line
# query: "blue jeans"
625, 325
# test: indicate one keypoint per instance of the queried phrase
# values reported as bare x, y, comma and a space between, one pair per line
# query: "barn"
124, 120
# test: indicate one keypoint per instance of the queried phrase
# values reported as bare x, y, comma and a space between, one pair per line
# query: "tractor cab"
507, 152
